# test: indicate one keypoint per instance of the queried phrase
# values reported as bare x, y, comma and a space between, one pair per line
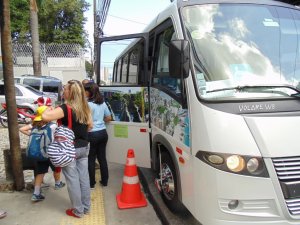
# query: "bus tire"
169, 190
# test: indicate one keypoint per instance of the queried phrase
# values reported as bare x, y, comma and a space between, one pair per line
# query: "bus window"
118, 77
162, 76
124, 69
133, 67
114, 78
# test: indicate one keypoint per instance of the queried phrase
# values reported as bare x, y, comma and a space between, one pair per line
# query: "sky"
125, 17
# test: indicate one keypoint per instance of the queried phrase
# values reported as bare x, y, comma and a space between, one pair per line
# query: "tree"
34, 27
63, 21
59, 21
14, 138
89, 69
20, 20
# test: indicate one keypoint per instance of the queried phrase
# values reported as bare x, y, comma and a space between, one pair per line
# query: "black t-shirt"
80, 130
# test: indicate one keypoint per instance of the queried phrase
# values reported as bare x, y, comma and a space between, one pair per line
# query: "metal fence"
22, 53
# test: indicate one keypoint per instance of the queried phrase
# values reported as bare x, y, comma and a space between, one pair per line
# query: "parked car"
46, 84
25, 95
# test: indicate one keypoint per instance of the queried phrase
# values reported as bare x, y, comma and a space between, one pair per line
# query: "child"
42, 166
41, 101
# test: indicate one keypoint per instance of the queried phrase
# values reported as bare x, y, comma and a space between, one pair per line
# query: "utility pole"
95, 41
100, 14
9, 86
92, 62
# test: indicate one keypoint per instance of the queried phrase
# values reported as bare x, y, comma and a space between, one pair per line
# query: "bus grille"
288, 173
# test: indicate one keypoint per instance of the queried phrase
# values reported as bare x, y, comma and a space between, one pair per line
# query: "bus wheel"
169, 190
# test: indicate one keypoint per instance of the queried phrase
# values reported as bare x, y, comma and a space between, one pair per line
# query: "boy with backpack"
41, 135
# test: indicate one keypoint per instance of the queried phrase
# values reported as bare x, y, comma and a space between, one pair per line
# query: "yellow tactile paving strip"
96, 216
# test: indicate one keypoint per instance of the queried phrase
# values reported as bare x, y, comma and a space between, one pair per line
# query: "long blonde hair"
78, 102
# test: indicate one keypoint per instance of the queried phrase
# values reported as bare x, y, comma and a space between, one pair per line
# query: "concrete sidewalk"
51, 211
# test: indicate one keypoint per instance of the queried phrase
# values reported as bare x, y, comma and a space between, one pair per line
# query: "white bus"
211, 103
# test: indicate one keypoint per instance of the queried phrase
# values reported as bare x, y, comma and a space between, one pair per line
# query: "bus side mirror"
179, 58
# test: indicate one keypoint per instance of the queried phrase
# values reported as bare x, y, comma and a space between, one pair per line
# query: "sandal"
2, 214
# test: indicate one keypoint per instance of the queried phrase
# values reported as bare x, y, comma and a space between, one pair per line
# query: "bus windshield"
244, 45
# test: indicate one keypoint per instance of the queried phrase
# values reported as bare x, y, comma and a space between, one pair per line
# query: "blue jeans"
98, 141
78, 182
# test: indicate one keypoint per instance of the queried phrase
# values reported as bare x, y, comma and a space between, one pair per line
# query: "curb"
150, 195
6, 186
147, 177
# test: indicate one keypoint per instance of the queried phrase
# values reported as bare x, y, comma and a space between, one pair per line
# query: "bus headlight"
215, 159
235, 163
252, 165
232, 163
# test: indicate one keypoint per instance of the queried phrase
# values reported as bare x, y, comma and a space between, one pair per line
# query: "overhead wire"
133, 21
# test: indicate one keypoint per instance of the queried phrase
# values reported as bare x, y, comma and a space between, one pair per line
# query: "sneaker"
86, 211
59, 186
92, 187
37, 198
70, 212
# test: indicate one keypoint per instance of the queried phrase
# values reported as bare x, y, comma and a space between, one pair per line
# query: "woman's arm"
107, 114
55, 114
90, 125
26, 129
107, 118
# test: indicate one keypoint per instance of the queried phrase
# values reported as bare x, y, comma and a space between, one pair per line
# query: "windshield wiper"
247, 87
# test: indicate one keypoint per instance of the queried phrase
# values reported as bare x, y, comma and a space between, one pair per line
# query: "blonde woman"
76, 173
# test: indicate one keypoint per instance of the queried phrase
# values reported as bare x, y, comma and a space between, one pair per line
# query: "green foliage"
161, 109
89, 68
138, 99
117, 96
126, 98
63, 21
176, 120
19, 13
60, 21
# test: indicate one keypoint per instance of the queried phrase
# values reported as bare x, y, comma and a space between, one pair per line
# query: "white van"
50, 86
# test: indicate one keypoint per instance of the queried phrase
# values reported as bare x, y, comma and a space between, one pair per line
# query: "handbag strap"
69, 116
59, 122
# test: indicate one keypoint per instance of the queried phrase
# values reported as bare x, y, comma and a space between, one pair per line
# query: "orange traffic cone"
131, 195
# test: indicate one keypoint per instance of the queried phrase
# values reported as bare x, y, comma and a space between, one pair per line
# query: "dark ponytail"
94, 93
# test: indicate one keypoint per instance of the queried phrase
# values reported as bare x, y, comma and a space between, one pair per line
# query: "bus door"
123, 83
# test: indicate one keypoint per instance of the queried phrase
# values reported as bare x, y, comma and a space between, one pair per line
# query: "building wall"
63, 61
